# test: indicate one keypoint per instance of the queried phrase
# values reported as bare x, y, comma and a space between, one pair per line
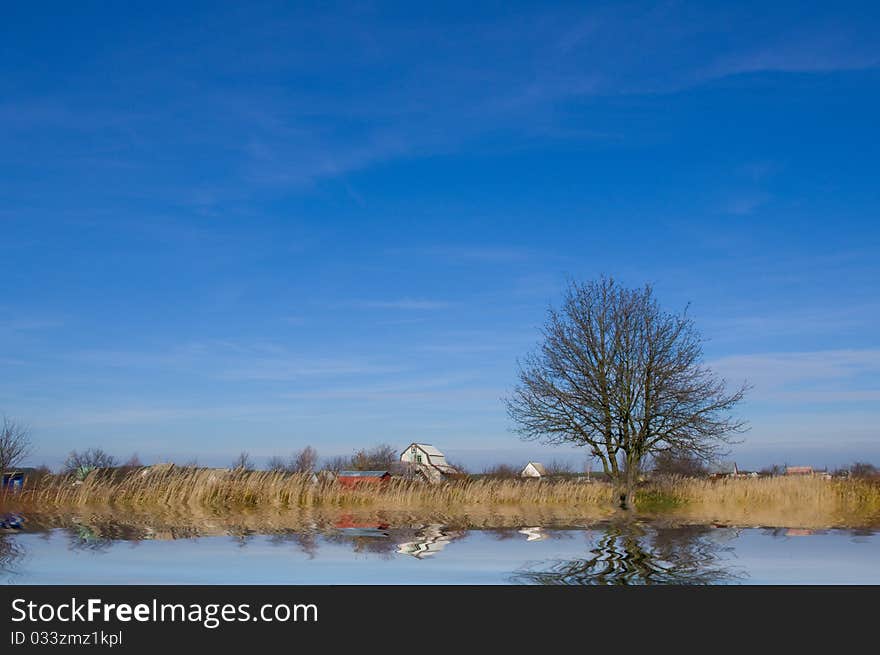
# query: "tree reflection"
306, 541
11, 552
98, 534
367, 540
631, 554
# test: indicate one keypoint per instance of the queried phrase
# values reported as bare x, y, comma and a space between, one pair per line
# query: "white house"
427, 461
533, 470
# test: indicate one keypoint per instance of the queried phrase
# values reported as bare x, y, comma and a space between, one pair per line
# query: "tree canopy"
620, 376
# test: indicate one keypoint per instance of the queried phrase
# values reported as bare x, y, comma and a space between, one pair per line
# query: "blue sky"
257, 226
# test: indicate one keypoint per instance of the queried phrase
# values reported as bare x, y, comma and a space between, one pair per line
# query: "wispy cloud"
129, 414
744, 203
236, 361
28, 324
417, 304
829, 375
812, 51
436, 390
293, 369
515, 72
470, 253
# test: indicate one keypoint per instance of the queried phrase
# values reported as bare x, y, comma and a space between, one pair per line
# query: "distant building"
533, 470
729, 470
362, 478
13, 480
723, 470
428, 462
799, 470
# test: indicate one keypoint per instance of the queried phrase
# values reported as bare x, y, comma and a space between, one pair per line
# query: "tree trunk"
627, 487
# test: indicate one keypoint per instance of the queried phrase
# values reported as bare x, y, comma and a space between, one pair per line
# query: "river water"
605, 553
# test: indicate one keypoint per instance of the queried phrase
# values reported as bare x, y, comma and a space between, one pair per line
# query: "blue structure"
11, 522
12, 481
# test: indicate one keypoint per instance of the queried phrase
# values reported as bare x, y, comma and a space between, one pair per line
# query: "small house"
362, 478
427, 461
799, 470
533, 470
12, 481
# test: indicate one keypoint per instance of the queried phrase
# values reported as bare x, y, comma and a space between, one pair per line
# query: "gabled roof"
427, 448
537, 466
362, 474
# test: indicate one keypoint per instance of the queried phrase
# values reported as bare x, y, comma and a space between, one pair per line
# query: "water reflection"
11, 551
306, 542
534, 534
634, 554
429, 540
621, 553
363, 535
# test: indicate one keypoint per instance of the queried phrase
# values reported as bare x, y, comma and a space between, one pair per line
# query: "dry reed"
187, 486
780, 501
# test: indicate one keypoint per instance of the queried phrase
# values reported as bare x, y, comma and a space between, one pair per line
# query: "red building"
362, 478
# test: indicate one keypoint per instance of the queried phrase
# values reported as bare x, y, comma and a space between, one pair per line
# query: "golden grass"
777, 501
280, 499
194, 487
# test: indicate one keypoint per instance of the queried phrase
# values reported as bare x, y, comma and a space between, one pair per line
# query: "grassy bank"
779, 501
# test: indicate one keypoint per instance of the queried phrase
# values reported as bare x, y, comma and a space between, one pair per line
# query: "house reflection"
781, 533
799, 532
428, 541
364, 536
534, 534
632, 554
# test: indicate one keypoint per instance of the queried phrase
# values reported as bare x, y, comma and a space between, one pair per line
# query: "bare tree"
15, 444
670, 462
863, 470
458, 466
276, 464
304, 461
338, 463
301, 461
243, 462
773, 470
558, 468
618, 375
382, 457
133, 462
501, 472
93, 458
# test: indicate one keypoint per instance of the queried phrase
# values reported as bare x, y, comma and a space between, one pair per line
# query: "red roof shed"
358, 478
